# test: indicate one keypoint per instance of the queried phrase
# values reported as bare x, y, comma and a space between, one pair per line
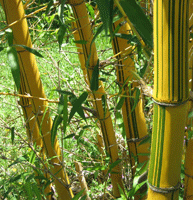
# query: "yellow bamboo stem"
134, 122
188, 182
170, 96
84, 32
14, 12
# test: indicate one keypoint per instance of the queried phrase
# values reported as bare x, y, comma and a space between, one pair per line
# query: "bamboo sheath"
33, 86
170, 97
84, 32
188, 190
135, 125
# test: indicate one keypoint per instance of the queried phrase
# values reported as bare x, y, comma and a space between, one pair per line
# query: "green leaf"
69, 136
14, 64
120, 103
35, 52
104, 102
136, 100
49, 6
145, 140
12, 135
32, 157
94, 83
104, 9
112, 165
78, 195
65, 92
190, 114
57, 120
28, 189
77, 106
191, 35
139, 20
99, 30
61, 11
65, 113
80, 42
61, 33
36, 191
123, 196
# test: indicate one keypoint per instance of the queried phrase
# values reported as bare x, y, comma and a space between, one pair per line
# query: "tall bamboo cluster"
84, 33
188, 190
134, 121
39, 129
170, 96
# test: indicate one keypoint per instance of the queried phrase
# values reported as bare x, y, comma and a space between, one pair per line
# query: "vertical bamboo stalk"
188, 190
31, 79
84, 32
170, 97
135, 125
134, 122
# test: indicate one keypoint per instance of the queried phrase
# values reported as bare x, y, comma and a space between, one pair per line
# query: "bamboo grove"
153, 168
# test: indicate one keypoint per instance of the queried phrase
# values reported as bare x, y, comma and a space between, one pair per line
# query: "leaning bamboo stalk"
188, 182
84, 32
14, 11
170, 97
134, 121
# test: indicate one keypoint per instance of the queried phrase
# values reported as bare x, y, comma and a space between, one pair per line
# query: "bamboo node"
189, 176
172, 104
135, 140
164, 190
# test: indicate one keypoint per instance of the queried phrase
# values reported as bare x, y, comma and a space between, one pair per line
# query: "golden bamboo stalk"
14, 12
170, 97
84, 32
188, 182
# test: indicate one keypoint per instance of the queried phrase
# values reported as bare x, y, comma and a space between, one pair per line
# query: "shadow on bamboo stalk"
32, 85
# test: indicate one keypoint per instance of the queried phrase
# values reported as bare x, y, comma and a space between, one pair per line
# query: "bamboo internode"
170, 96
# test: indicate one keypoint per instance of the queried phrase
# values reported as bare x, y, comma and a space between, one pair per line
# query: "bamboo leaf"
35, 52
94, 83
57, 120
12, 135
65, 92
78, 195
69, 136
61, 33
112, 165
77, 106
9, 34
104, 9
14, 64
36, 191
146, 140
49, 6
28, 189
80, 42
65, 113
120, 103
136, 100
139, 20
84, 197
123, 196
